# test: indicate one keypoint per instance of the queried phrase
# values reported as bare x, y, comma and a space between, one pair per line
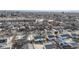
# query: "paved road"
27, 45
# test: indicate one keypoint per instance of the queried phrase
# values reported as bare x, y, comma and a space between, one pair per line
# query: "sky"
39, 5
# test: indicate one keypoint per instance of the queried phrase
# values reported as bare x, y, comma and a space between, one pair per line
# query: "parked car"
49, 45
67, 42
39, 38
50, 37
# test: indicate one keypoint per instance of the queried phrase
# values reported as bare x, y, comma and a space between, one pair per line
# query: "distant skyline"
44, 10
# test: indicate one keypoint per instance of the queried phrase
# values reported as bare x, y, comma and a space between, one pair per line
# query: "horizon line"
43, 10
